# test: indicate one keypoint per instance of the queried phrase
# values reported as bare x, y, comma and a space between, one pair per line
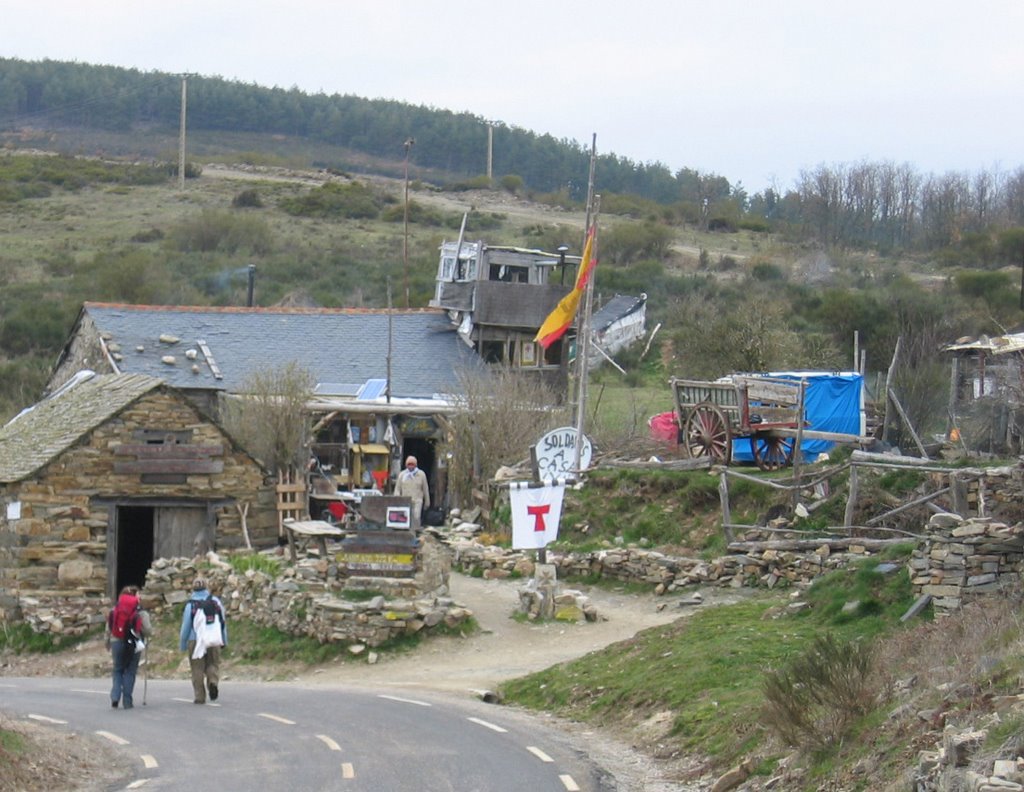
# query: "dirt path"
505, 648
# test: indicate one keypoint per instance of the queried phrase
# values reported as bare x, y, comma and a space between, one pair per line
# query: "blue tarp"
834, 402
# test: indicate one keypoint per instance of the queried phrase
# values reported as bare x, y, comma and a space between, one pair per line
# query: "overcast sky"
749, 90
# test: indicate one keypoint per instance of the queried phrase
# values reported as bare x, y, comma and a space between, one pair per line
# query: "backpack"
206, 621
132, 637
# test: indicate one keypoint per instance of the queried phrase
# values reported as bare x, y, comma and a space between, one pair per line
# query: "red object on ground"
665, 428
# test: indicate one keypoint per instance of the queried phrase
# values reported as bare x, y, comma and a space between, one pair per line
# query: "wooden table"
318, 530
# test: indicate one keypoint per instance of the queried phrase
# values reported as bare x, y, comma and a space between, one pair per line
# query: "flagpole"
583, 336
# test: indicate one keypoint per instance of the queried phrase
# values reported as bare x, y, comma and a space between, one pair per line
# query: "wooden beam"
909, 425
905, 506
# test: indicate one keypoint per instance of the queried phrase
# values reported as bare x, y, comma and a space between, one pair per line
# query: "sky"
755, 92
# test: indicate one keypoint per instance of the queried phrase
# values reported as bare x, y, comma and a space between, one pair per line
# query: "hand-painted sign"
556, 453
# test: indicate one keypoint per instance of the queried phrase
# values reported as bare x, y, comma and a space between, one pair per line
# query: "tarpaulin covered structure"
833, 402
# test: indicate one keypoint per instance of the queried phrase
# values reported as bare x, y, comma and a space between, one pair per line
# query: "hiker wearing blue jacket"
204, 631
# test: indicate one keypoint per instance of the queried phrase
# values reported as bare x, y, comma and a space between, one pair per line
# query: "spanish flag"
561, 317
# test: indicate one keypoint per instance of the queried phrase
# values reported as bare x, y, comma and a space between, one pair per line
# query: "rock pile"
954, 767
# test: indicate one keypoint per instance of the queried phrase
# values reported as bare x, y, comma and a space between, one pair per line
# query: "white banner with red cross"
536, 511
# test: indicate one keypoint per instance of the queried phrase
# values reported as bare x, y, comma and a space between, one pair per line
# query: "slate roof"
340, 346
618, 307
44, 431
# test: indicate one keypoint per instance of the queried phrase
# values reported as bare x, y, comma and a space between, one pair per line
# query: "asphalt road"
287, 738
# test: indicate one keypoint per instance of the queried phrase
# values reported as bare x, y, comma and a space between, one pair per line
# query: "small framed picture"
398, 517
528, 356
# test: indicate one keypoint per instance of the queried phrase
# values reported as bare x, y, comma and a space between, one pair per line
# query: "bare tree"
269, 418
504, 413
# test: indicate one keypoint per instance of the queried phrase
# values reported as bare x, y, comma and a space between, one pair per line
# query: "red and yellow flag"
561, 317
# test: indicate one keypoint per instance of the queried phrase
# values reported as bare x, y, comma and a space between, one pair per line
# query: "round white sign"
556, 453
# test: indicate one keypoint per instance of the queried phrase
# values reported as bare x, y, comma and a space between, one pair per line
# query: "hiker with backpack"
203, 632
125, 634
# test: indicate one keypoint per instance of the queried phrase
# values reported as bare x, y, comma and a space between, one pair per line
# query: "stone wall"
665, 573
53, 554
308, 599
962, 560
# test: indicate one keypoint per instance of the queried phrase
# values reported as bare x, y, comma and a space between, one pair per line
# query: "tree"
269, 418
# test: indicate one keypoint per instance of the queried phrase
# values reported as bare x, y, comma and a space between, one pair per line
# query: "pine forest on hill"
309, 189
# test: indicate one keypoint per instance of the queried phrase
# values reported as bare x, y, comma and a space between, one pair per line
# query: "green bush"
814, 702
355, 201
247, 199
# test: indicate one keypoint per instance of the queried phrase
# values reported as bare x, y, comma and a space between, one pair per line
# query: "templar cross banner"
536, 511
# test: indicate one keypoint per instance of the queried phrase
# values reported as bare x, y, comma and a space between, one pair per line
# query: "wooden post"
851, 498
958, 488
889, 377
954, 380
723, 496
906, 421
798, 456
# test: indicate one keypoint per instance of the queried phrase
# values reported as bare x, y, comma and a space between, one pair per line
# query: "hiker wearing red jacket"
125, 616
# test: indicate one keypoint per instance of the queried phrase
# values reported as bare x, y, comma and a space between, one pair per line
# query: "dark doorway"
134, 545
423, 450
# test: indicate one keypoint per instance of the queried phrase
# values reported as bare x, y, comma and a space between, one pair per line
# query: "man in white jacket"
412, 483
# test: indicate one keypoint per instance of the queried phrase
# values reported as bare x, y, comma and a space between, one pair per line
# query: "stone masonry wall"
55, 552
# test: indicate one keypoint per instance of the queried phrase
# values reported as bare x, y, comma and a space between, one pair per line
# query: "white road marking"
277, 718
5, 684
45, 719
137, 784
405, 700
83, 690
539, 753
347, 771
329, 742
113, 738
487, 725
149, 761
568, 783
189, 701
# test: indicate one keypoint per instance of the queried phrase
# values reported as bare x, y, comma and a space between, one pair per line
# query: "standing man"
412, 483
205, 658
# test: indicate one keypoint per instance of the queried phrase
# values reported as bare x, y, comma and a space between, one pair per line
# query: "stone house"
104, 476
385, 379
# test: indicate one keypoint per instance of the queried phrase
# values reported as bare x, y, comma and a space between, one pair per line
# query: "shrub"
813, 703
247, 199
354, 200
512, 183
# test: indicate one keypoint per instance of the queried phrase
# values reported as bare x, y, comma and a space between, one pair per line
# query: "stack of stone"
961, 560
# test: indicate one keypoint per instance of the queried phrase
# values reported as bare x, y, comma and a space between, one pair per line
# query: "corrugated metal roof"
45, 430
187, 346
619, 306
993, 345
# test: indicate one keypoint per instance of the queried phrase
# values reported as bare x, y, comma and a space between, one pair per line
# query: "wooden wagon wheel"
706, 432
772, 452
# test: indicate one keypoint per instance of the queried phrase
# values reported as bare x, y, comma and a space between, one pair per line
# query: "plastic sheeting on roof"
993, 345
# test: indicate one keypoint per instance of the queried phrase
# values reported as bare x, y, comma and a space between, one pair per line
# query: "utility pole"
409, 143
181, 134
490, 152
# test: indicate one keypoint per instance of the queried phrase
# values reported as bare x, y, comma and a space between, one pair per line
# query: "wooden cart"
766, 410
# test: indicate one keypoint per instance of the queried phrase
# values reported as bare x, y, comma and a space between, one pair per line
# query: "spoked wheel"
772, 452
706, 432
